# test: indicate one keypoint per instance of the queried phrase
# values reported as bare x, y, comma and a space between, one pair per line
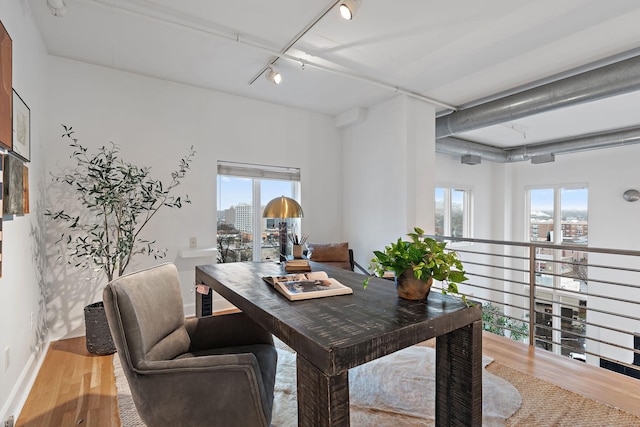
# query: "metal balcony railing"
579, 301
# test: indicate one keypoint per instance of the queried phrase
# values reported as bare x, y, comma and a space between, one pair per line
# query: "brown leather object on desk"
333, 254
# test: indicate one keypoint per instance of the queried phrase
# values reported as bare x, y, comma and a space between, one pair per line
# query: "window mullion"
257, 220
447, 212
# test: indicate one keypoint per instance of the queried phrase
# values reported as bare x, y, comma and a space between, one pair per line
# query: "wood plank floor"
75, 388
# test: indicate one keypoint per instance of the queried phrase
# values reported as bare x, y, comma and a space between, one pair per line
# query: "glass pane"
269, 190
234, 224
543, 326
541, 215
439, 214
457, 213
573, 325
573, 211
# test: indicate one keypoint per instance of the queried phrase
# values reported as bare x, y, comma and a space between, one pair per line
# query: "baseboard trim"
22, 388
189, 310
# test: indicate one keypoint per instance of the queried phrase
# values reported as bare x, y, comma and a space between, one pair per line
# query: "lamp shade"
282, 207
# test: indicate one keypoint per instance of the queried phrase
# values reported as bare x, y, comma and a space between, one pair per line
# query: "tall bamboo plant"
119, 199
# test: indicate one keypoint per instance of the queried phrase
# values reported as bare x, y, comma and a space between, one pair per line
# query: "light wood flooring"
75, 388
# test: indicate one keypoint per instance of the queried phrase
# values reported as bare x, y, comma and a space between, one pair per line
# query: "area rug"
395, 391
544, 404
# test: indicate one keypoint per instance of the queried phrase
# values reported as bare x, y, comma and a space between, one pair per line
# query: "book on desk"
296, 264
303, 286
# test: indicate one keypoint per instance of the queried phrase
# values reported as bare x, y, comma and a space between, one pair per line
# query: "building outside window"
559, 215
242, 233
453, 212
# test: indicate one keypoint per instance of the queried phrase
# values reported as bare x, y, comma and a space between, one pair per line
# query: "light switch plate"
193, 242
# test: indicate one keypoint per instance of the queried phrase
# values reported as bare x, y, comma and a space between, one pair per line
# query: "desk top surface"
338, 332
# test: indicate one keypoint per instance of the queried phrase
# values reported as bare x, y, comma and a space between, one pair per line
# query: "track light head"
273, 76
348, 8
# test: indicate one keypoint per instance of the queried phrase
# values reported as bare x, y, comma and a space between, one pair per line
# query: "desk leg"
322, 400
459, 377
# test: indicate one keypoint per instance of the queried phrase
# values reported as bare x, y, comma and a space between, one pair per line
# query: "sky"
542, 199
232, 191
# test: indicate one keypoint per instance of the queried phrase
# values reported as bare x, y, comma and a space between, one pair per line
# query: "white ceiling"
454, 52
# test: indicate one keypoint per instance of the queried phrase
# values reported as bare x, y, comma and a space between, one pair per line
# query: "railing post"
532, 294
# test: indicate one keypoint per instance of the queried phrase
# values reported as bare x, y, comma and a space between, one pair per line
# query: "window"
242, 233
559, 215
453, 212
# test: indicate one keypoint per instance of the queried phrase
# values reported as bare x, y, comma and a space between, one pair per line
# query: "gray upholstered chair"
217, 370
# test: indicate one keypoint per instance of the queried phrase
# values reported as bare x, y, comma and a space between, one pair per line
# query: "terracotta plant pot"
411, 288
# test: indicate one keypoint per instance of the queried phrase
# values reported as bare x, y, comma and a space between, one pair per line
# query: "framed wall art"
6, 95
21, 128
12, 185
25, 190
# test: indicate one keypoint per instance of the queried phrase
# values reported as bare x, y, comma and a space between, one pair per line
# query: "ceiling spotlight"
273, 76
348, 8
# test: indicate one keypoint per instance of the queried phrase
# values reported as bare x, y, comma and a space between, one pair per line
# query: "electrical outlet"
193, 242
7, 352
9, 422
31, 321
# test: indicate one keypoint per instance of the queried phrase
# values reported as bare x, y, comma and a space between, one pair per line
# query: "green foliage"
426, 257
119, 200
494, 321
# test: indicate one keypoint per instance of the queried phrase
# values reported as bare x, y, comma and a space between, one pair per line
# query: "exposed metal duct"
594, 141
610, 80
462, 147
574, 144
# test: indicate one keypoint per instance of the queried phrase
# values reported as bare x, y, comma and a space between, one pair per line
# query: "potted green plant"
115, 201
416, 263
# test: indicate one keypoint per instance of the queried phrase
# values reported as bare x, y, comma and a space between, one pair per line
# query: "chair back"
146, 315
334, 254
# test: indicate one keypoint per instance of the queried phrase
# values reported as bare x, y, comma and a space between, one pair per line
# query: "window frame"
257, 174
557, 208
467, 208
556, 296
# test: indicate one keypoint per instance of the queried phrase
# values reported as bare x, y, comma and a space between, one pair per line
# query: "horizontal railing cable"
551, 278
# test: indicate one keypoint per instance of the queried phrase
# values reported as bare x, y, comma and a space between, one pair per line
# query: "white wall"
155, 122
486, 184
388, 175
22, 283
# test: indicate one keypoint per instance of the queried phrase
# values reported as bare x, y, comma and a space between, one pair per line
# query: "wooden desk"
333, 334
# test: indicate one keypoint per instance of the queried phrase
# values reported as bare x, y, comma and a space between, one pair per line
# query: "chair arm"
194, 391
227, 330
201, 363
